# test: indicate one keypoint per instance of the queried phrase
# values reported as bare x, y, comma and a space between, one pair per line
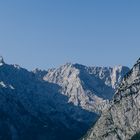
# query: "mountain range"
54, 104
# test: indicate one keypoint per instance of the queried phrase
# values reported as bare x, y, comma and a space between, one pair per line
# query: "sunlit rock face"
87, 87
121, 121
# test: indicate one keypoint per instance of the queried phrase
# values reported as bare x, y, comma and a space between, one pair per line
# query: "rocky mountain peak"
87, 87
1, 61
133, 75
136, 68
138, 61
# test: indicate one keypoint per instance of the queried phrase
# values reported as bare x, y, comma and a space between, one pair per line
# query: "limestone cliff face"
121, 121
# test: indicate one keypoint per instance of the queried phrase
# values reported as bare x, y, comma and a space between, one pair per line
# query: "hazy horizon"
45, 34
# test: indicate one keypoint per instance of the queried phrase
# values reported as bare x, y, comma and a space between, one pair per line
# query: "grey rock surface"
121, 121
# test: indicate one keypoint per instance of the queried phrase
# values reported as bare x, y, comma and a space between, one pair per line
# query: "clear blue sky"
48, 33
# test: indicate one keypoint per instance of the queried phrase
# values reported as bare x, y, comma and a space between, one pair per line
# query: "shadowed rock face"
121, 121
